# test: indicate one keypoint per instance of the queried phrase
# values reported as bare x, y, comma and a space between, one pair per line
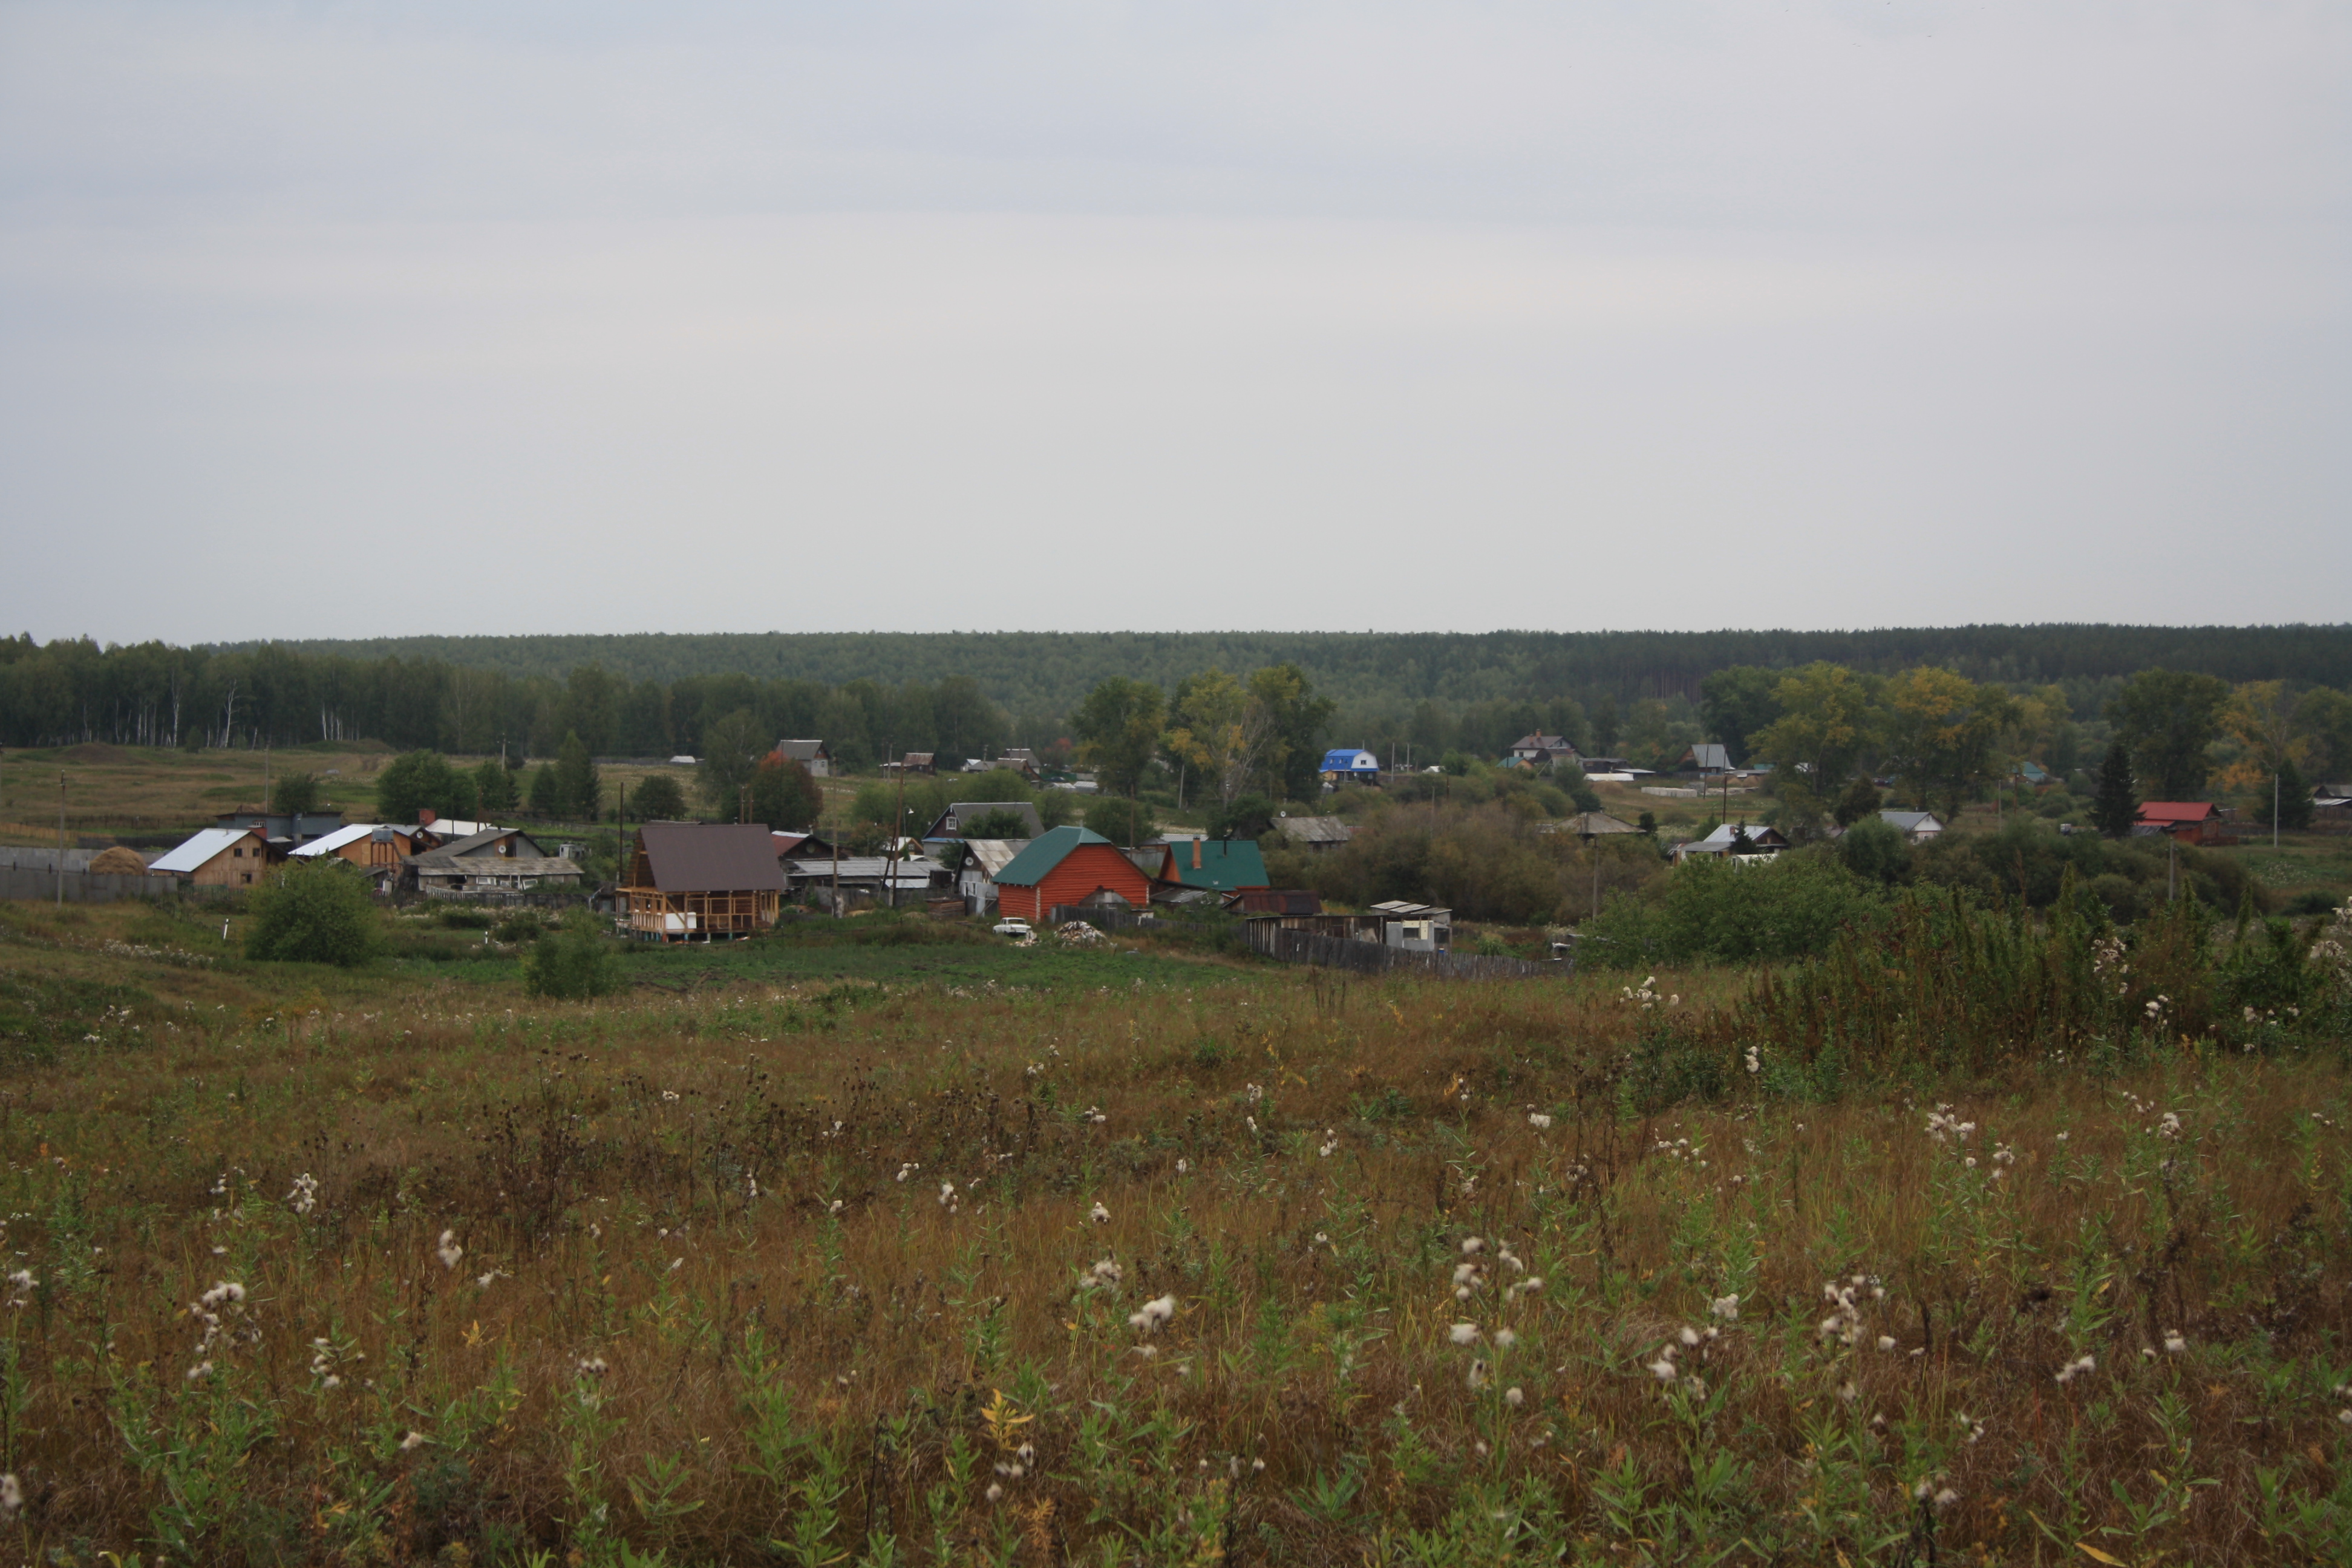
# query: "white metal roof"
351, 833
199, 850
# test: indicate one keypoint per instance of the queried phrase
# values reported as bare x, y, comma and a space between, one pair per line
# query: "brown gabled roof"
710, 856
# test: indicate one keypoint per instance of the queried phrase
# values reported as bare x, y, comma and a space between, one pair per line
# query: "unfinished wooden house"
700, 882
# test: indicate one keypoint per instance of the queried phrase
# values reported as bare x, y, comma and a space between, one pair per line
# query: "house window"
244, 876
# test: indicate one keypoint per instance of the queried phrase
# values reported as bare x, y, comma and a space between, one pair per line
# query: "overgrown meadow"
1990, 1240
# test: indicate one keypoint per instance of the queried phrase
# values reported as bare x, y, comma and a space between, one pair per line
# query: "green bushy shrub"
571, 964
315, 913
1710, 911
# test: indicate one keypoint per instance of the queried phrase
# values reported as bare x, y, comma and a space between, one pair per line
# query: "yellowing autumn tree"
1942, 733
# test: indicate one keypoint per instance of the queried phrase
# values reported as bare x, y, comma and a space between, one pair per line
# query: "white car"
1012, 927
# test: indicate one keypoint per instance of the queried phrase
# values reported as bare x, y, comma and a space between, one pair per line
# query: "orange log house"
1066, 866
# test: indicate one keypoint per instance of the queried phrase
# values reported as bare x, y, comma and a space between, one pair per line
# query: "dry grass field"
949, 1253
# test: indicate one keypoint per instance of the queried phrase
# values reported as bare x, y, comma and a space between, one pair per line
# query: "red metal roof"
2178, 811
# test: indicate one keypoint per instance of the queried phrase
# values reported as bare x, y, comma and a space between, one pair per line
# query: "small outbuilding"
216, 858
1068, 865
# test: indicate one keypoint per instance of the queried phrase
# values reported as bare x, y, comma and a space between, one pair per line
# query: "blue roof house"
1351, 763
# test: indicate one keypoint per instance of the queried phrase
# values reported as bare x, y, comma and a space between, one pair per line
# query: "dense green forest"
965, 694
1049, 673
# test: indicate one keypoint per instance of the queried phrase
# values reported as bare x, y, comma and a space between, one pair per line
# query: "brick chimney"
427, 817
1196, 854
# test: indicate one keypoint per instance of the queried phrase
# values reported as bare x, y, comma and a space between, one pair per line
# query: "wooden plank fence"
1269, 938
82, 888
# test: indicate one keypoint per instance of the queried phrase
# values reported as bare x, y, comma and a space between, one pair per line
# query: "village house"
1543, 753
287, 830
1350, 764
1706, 758
1315, 835
216, 858
496, 863
1068, 865
1761, 842
810, 755
1916, 827
1214, 865
1021, 760
692, 881
982, 860
956, 820
364, 844
2190, 821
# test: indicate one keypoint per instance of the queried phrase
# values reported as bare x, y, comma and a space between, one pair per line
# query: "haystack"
118, 861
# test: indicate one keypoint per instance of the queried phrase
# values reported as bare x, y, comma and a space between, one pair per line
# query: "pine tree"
2114, 808
583, 790
547, 801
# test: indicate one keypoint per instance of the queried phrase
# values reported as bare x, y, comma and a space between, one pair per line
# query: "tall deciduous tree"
785, 794
731, 749
1824, 723
418, 782
2170, 719
1118, 728
1737, 703
2113, 807
657, 799
1943, 733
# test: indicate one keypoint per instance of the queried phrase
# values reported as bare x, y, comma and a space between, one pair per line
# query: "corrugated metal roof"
800, 751
333, 841
912, 873
198, 850
2177, 810
1044, 852
1225, 864
992, 854
1350, 760
1594, 823
1315, 829
495, 868
686, 857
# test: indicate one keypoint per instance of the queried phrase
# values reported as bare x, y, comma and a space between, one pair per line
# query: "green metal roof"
1225, 864
1046, 851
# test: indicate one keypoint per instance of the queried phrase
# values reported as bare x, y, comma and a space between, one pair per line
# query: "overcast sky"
352, 320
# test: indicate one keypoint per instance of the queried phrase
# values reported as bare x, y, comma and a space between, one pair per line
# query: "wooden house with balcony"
700, 882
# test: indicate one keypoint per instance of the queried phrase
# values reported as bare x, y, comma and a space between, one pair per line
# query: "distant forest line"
1050, 672
870, 695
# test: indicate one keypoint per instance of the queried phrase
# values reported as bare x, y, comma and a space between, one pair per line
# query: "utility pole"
2274, 805
898, 832
61, 840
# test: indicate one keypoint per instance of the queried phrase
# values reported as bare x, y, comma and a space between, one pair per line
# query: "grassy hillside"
835, 1252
